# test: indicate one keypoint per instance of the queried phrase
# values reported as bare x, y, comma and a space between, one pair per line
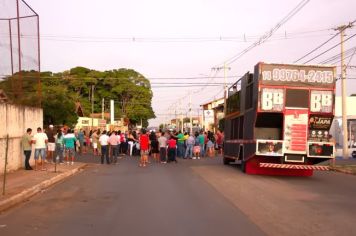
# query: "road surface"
124, 199
193, 197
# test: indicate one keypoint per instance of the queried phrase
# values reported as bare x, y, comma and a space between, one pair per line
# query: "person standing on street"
114, 142
202, 143
180, 144
59, 146
104, 141
81, 138
154, 146
123, 144
40, 140
144, 146
130, 140
118, 136
190, 144
27, 148
210, 145
197, 147
172, 148
162, 141
95, 140
69, 142
219, 141
51, 146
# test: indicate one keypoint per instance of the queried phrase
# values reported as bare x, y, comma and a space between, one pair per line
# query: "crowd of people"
61, 146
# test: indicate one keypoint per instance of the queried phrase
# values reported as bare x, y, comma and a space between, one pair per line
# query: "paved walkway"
22, 184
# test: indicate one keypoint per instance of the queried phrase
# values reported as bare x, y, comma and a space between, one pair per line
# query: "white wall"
14, 120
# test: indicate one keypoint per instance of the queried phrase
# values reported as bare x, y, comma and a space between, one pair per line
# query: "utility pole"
102, 108
92, 106
225, 86
112, 112
225, 82
190, 112
343, 90
175, 117
181, 116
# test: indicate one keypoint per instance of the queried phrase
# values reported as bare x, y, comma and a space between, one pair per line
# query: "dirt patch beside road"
347, 169
281, 205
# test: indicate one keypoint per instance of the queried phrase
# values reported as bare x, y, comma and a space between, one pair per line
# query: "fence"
14, 120
19, 47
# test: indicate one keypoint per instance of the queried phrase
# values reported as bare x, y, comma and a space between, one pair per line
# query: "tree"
130, 90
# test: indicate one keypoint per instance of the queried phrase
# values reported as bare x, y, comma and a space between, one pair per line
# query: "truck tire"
243, 166
226, 161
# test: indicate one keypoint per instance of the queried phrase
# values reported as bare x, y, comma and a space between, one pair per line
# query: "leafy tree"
130, 90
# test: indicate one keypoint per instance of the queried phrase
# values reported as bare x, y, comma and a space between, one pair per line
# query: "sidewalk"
346, 166
23, 184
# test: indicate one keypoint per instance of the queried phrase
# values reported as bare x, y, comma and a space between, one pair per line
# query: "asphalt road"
193, 197
324, 204
124, 199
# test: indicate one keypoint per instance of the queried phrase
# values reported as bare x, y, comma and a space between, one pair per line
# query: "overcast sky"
178, 39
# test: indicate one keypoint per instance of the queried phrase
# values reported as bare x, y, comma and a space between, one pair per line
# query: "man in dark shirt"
51, 145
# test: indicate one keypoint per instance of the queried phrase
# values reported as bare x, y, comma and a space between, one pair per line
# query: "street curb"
28, 193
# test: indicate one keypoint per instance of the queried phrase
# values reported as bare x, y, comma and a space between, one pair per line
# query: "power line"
148, 78
317, 47
329, 49
346, 57
195, 83
268, 34
351, 58
108, 39
337, 56
185, 86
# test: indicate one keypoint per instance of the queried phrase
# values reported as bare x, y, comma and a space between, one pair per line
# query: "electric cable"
268, 34
320, 54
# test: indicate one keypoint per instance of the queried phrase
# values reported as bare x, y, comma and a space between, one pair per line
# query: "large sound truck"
278, 119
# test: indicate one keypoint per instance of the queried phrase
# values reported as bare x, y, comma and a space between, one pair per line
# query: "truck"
277, 119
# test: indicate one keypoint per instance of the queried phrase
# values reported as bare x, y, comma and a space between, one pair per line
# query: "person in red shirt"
172, 145
219, 141
144, 144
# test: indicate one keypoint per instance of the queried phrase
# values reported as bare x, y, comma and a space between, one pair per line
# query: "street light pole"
343, 91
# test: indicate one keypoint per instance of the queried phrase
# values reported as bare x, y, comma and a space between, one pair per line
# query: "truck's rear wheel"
243, 166
226, 161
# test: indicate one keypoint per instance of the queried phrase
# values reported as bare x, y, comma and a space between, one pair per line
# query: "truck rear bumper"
295, 167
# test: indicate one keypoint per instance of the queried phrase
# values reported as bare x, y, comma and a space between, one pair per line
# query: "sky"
183, 40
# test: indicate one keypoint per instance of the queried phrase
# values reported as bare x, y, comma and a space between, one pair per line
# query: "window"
297, 98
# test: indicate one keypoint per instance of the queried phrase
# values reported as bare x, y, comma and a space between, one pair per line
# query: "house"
213, 112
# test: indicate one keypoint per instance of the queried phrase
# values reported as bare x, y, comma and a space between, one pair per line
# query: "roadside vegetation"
60, 93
